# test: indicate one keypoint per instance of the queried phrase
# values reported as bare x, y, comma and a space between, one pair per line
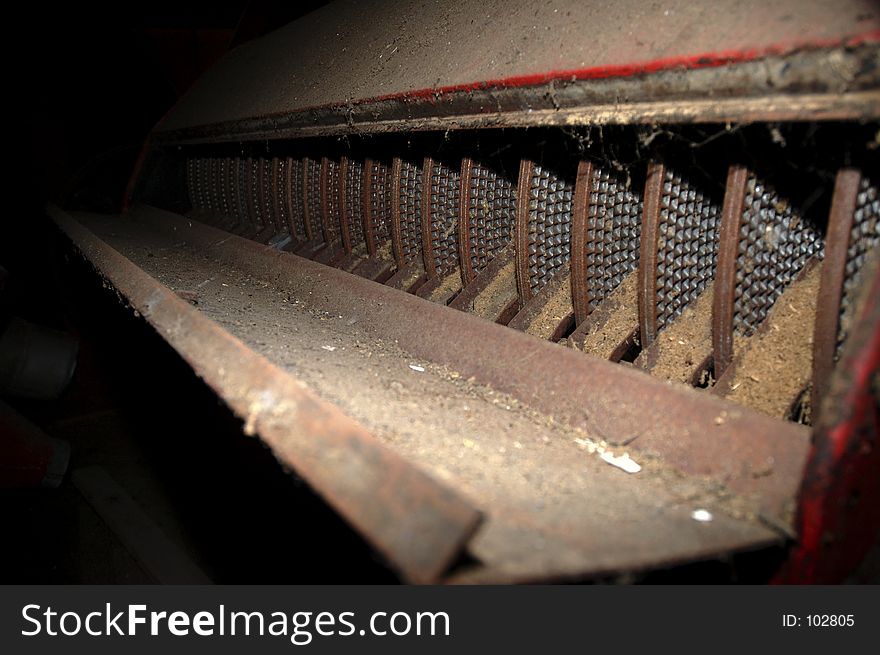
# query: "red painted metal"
838, 515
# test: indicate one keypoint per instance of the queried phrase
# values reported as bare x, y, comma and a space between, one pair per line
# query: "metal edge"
725, 269
840, 219
580, 297
427, 219
367, 191
396, 247
521, 230
342, 203
464, 222
417, 522
648, 253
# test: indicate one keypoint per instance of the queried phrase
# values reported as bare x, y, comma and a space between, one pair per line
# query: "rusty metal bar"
418, 523
396, 241
329, 236
825, 334
579, 291
307, 210
276, 189
648, 253
464, 222
523, 200
369, 227
427, 219
725, 271
342, 203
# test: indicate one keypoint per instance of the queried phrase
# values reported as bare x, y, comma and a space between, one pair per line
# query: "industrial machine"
536, 292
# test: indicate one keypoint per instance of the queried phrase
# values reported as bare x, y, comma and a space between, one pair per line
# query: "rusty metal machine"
537, 293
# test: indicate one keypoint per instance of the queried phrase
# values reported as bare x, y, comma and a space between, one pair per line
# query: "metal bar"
276, 189
579, 292
827, 326
523, 192
725, 271
342, 203
648, 253
427, 219
325, 202
464, 222
699, 434
418, 523
396, 244
369, 227
307, 211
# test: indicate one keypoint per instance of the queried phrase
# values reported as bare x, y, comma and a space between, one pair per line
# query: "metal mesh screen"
614, 221
380, 201
549, 226
492, 215
410, 212
687, 246
354, 177
444, 217
774, 245
864, 236
192, 177
241, 193
209, 184
312, 197
226, 177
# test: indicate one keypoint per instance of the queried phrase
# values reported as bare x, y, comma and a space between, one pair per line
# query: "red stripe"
691, 62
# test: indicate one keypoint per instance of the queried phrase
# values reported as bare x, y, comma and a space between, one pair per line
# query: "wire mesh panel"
490, 215
209, 183
774, 245
864, 237
548, 229
409, 196
354, 207
226, 180
192, 185
443, 211
686, 246
613, 226
312, 198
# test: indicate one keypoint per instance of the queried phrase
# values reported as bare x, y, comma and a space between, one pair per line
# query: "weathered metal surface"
420, 79
697, 433
418, 523
553, 510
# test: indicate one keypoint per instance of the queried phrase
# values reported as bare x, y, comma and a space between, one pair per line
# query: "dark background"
87, 86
